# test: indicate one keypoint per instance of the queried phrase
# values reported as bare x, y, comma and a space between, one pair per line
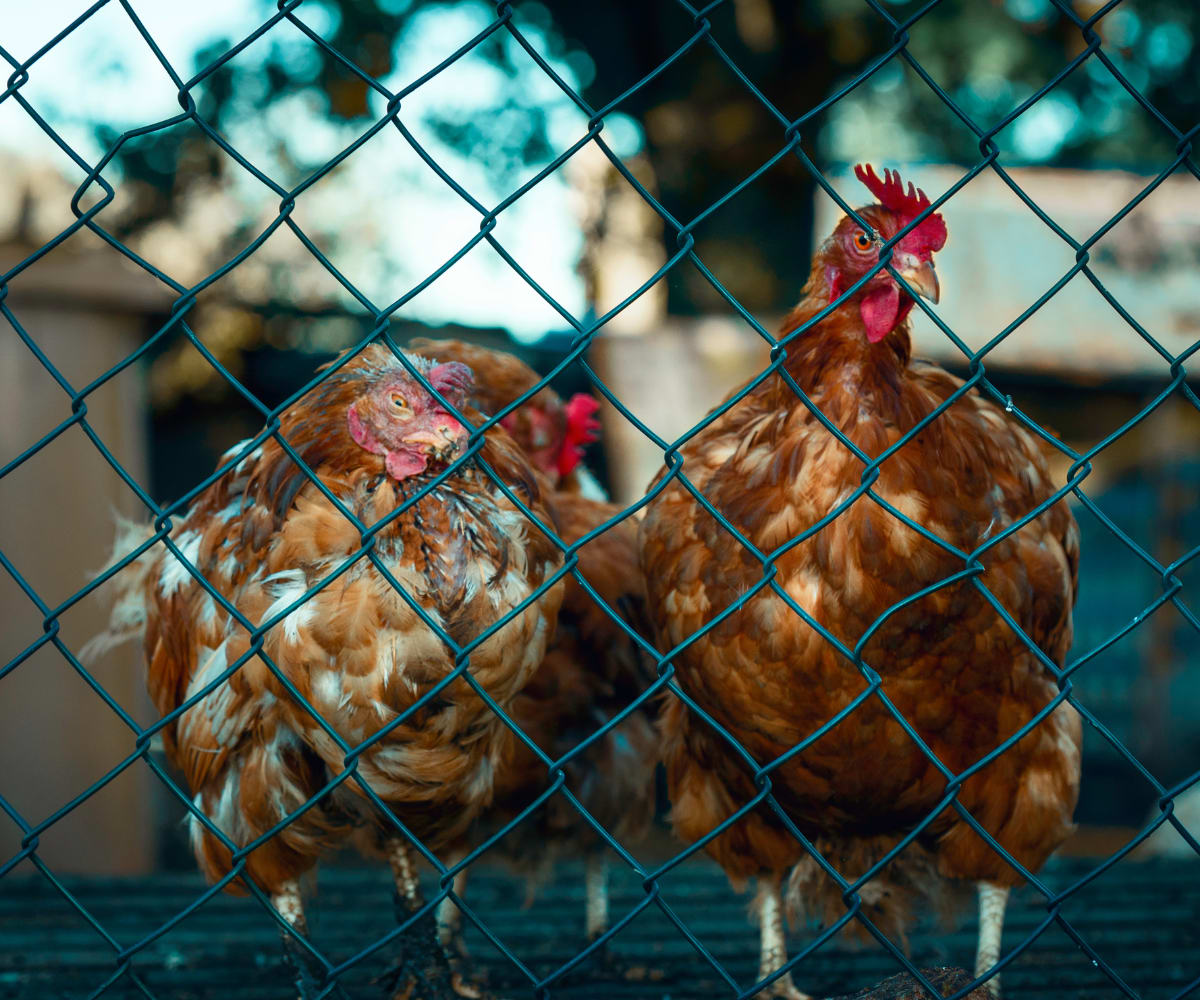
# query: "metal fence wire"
100, 193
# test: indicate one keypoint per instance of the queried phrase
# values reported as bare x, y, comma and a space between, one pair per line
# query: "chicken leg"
595, 912
768, 910
424, 963
595, 885
404, 876
305, 968
992, 901
449, 916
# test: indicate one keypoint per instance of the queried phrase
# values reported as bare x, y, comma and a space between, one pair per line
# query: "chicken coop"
663, 501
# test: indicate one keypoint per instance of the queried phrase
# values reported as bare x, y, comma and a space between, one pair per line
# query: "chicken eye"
862, 240
399, 401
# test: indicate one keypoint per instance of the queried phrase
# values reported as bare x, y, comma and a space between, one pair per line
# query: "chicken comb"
930, 235
582, 429
452, 378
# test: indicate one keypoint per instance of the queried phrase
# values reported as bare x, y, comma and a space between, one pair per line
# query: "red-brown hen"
263, 535
593, 670
948, 662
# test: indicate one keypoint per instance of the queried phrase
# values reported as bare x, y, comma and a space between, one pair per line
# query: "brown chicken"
948, 662
592, 671
357, 650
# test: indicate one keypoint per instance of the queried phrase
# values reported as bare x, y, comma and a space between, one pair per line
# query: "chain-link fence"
96, 194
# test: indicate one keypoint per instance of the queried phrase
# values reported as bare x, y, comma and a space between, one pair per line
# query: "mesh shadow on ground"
1144, 919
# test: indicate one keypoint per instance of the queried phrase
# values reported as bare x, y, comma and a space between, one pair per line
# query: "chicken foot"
425, 969
768, 910
992, 901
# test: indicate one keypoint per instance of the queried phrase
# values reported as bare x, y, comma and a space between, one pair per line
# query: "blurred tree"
992, 56
701, 128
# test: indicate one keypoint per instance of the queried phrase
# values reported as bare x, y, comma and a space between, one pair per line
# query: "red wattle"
402, 464
880, 311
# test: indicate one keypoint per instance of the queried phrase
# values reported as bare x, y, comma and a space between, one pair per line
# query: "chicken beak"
921, 277
440, 444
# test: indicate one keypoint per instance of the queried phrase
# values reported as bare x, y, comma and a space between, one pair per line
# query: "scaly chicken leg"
289, 906
992, 901
595, 909
768, 910
425, 961
404, 874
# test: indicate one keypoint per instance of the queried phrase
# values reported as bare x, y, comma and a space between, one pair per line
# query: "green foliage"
990, 57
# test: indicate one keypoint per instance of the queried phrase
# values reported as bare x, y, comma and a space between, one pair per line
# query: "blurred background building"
385, 221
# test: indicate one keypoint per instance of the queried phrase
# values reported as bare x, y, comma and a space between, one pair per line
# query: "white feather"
175, 573
220, 705
127, 620
287, 587
589, 486
327, 689
195, 827
208, 610
233, 452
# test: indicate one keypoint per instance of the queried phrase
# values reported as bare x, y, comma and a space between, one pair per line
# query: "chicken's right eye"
862, 240
399, 402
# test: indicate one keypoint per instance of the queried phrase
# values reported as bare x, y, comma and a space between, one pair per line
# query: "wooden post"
86, 311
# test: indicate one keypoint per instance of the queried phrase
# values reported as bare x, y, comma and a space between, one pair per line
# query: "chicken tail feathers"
907, 888
127, 619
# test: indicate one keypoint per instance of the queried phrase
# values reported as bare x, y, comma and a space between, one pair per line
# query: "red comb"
582, 429
452, 379
930, 235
